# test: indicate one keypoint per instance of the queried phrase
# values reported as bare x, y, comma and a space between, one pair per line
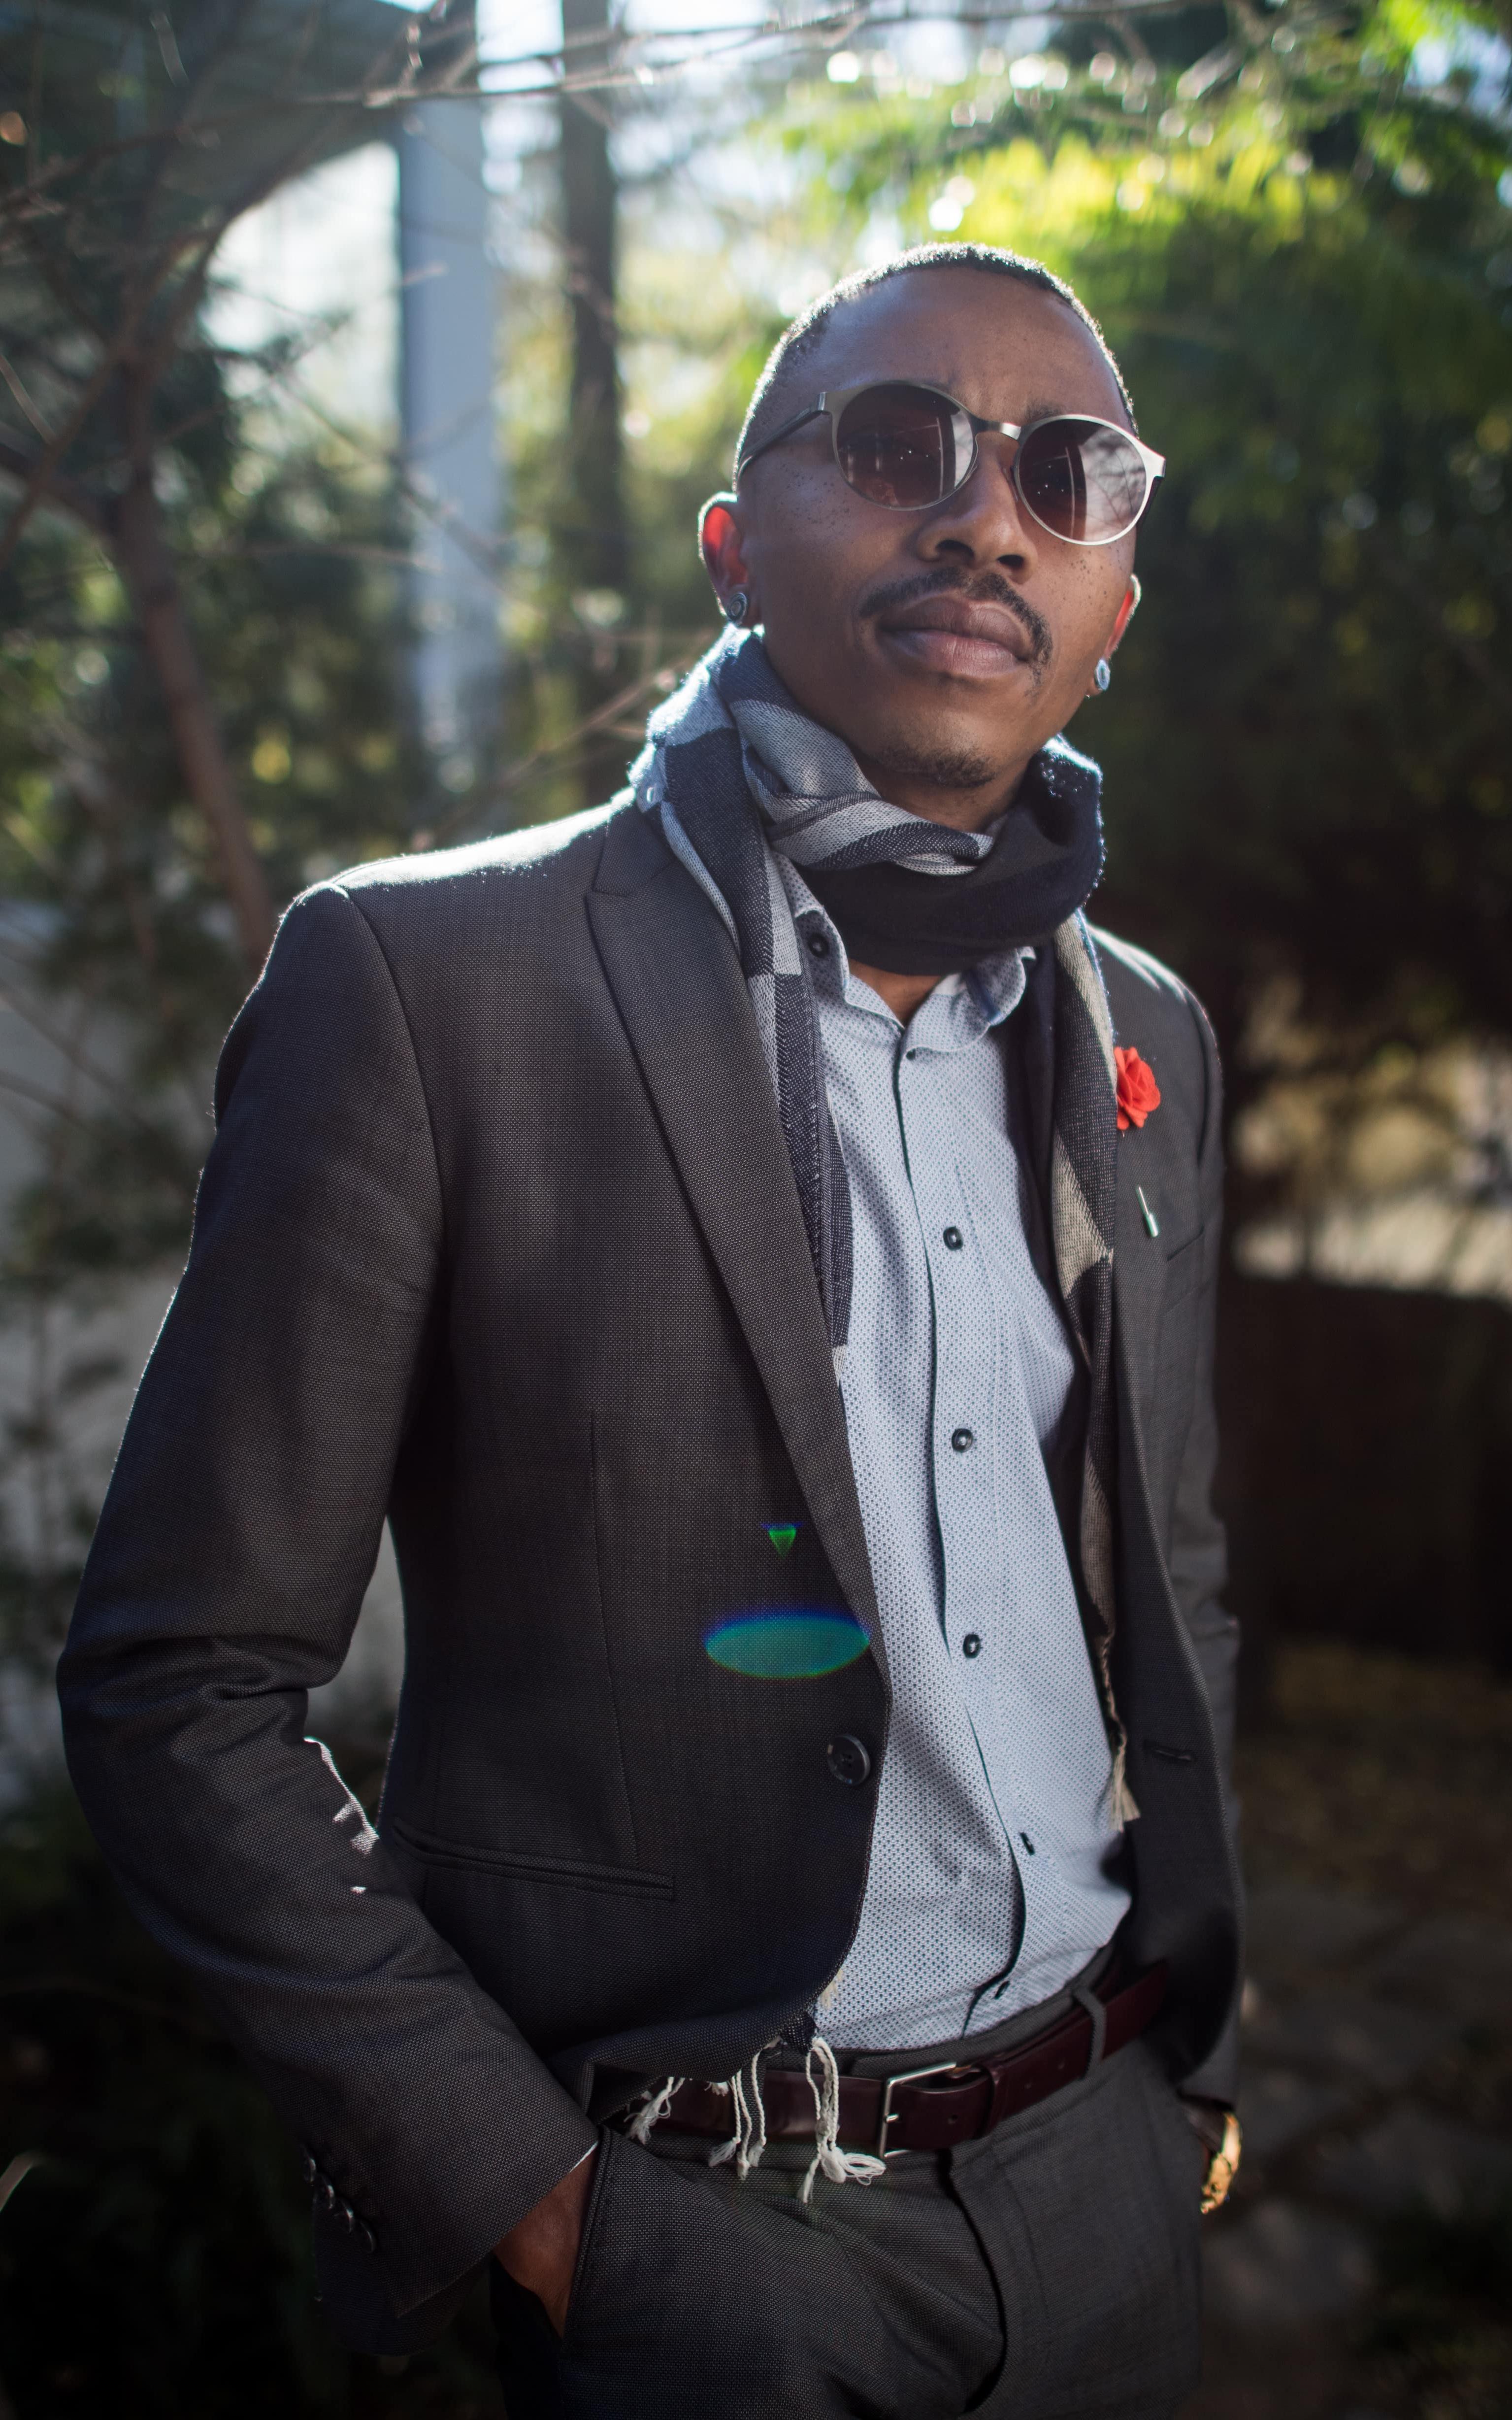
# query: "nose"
985, 523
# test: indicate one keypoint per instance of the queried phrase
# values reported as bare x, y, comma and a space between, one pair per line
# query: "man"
758, 1251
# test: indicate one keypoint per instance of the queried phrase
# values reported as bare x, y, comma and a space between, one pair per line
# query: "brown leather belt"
930, 2109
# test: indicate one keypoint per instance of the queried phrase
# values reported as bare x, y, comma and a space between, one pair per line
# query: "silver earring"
736, 607
1103, 673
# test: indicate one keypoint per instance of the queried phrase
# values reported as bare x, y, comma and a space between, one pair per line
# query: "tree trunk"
146, 565
595, 548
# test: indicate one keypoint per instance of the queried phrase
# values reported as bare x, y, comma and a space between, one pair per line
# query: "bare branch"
146, 565
336, 550
13, 380
67, 493
633, 63
41, 473
602, 718
484, 556
64, 1044
55, 1104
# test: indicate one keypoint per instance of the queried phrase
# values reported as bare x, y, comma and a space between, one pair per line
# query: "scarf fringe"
841, 2167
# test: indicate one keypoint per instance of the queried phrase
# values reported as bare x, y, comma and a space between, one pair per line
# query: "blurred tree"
127, 163
199, 646
128, 965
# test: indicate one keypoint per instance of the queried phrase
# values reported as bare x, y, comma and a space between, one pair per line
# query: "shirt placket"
966, 1414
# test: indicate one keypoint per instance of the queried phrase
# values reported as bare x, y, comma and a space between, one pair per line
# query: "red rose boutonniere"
1138, 1092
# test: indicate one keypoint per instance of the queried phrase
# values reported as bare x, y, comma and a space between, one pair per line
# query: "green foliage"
1308, 745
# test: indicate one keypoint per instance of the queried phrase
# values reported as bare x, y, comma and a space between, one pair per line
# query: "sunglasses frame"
833, 402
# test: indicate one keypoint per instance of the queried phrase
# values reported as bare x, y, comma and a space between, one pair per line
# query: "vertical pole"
446, 406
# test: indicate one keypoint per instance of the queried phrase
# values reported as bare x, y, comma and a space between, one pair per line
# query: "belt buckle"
910, 2076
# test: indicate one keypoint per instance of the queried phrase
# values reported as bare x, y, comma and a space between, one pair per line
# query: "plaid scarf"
746, 788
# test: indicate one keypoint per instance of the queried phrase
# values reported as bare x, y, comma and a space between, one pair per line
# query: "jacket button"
847, 1759
963, 1439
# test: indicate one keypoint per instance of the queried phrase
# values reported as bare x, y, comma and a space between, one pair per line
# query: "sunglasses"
907, 447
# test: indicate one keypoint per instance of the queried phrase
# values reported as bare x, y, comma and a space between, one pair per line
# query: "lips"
951, 634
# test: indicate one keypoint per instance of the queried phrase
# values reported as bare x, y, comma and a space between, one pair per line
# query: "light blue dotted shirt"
987, 1890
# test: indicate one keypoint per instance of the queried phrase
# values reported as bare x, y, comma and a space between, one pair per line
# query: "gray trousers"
1048, 2272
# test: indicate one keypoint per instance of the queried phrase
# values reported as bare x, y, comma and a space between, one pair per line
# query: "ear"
1125, 615
721, 546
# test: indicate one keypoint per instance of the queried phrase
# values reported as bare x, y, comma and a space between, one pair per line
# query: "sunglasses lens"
1082, 480
904, 446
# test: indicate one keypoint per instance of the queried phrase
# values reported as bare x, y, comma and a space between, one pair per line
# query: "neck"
901, 993
961, 808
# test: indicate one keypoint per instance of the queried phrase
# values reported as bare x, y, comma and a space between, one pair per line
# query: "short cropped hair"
803, 334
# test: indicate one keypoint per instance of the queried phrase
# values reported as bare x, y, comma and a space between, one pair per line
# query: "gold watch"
1222, 2167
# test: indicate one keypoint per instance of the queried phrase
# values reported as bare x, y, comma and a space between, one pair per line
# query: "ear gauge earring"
1103, 673
736, 607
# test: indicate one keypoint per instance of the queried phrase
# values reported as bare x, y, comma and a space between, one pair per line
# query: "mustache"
980, 588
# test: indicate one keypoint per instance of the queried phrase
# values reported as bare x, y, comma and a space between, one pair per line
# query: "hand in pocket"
541, 2252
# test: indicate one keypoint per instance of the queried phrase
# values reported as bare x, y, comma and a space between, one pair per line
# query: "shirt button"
953, 1239
963, 1439
847, 1759
819, 944
971, 1644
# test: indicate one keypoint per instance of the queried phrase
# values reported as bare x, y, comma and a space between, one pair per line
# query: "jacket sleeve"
1199, 1553
240, 1532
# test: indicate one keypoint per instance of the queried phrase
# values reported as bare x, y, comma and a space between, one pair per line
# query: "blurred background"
360, 375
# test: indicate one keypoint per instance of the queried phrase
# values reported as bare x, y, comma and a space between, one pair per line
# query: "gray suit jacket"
499, 1238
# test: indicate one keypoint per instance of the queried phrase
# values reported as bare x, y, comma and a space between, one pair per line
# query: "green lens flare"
784, 1536
795, 1646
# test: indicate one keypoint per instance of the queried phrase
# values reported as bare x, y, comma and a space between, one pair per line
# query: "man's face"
946, 645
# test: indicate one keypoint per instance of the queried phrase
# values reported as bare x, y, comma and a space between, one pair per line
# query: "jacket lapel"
677, 983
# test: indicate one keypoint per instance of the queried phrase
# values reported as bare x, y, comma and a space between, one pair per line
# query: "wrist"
540, 2251
1206, 2118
